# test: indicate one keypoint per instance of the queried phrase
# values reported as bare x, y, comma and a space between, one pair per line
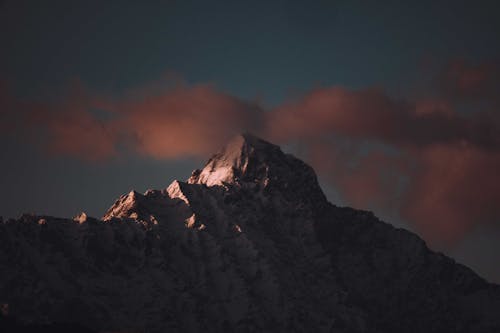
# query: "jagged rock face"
249, 244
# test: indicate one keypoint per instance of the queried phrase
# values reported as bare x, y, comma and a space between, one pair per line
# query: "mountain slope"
249, 244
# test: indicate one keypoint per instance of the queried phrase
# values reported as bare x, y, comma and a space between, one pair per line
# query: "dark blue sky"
269, 51
262, 48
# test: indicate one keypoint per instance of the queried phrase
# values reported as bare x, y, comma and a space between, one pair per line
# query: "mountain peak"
249, 161
233, 162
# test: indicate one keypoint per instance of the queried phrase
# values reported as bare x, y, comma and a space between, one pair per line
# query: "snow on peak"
174, 191
245, 157
249, 161
124, 205
81, 218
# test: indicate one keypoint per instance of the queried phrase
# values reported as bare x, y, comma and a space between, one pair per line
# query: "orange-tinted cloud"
161, 122
181, 121
64, 126
366, 177
77, 133
429, 162
435, 166
454, 188
372, 115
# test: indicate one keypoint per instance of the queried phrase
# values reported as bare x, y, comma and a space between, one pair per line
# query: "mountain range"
249, 243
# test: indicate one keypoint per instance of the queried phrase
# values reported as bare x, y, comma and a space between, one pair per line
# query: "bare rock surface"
248, 244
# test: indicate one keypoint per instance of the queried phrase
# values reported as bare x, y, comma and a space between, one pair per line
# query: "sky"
395, 104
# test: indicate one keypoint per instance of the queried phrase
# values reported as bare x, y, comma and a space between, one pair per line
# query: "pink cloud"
366, 178
453, 189
182, 121
372, 115
161, 122
435, 166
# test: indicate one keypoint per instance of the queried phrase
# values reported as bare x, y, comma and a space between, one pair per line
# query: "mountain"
248, 244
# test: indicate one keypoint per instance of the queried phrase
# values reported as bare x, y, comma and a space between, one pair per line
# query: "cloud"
372, 115
425, 160
435, 166
455, 188
182, 121
163, 122
366, 177
64, 126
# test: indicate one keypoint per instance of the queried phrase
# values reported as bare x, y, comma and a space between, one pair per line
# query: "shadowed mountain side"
249, 244
11, 325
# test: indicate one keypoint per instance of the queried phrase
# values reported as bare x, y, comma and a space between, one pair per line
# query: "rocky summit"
249, 243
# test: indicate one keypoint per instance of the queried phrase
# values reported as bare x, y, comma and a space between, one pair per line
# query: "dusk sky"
395, 104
